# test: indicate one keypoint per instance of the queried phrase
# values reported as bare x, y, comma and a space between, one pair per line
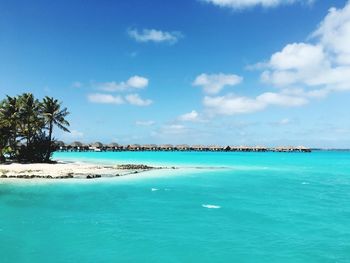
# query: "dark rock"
134, 167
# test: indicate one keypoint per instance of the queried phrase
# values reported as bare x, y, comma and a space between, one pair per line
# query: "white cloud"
214, 83
135, 99
243, 4
134, 82
145, 123
105, 98
279, 99
191, 116
298, 56
334, 33
153, 35
137, 82
302, 71
323, 66
231, 105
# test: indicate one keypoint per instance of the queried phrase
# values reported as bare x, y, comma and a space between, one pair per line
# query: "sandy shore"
69, 170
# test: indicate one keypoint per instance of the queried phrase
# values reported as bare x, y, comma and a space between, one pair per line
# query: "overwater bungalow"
97, 146
244, 148
215, 148
150, 147
259, 148
60, 145
113, 147
234, 148
302, 149
283, 149
166, 147
182, 147
75, 146
199, 148
134, 147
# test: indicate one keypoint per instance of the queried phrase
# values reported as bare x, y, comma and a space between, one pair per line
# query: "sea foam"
211, 206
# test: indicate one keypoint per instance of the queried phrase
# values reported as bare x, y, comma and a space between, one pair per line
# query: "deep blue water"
262, 207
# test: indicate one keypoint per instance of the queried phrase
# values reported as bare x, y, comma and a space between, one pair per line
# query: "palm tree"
29, 117
53, 115
9, 119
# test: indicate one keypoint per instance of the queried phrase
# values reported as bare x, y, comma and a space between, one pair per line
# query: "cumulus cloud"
134, 82
214, 83
135, 99
334, 34
321, 67
302, 71
191, 116
105, 98
231, 104
153, 35
243, 4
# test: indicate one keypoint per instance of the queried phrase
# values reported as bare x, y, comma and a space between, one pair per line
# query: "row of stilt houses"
98, 147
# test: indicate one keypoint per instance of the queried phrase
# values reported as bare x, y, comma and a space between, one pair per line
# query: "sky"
217, 72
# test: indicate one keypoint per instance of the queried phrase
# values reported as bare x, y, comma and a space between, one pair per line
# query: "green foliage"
26, 127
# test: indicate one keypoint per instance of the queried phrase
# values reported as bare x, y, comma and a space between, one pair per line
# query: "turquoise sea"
242, 207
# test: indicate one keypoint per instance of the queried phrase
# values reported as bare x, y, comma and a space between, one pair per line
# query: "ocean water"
240, 207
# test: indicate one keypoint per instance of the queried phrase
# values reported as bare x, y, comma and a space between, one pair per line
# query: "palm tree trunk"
50, 142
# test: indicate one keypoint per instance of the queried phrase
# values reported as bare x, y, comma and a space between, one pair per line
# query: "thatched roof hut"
166, 147
302, 149
199, 147
112, 146
215, 148
134, 147
98, 145
244, 148
284, 149
259, 148
234, 148
150, 147
76, 144
60, 145
183, 147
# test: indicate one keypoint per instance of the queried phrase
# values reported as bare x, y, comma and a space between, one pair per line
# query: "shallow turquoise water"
270, 207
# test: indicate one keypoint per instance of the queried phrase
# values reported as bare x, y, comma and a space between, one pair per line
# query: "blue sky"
230, 72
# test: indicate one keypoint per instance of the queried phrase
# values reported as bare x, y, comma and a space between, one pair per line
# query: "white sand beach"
68, 170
